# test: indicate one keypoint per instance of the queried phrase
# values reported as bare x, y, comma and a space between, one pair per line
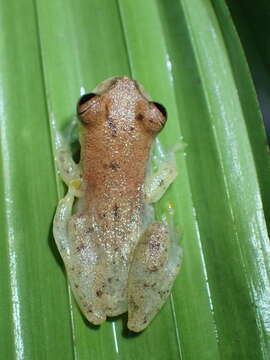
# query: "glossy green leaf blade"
236, 235
246, 92
183, 54
54, 81
31, 281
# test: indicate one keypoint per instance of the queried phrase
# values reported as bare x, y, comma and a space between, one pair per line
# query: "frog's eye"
84, 102
85, 98
154, 117
161, 108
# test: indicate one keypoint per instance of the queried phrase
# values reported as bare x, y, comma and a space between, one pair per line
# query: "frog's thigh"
156, 184
60, 224
151, 276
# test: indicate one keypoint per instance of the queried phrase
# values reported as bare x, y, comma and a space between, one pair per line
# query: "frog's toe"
94, 311
138, 319
116, 293
135, 324
117, 308
95, 318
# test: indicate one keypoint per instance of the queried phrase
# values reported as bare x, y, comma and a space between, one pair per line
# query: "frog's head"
122, 104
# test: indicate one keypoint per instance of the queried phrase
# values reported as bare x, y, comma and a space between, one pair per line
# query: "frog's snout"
121, 82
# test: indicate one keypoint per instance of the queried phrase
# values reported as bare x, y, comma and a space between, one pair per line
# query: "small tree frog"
117, 257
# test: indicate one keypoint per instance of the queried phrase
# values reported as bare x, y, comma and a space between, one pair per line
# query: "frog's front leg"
158, 182
71, 175
60, 224
155, 265
69, 171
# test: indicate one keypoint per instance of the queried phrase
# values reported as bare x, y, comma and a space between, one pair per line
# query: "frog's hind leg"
155, 265
86, 277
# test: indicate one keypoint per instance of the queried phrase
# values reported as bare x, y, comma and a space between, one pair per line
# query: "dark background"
252, 21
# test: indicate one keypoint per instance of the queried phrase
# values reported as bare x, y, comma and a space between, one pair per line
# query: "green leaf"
187, 55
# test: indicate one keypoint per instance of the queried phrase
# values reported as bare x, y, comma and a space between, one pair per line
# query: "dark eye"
161, 108
85, 98
82, 101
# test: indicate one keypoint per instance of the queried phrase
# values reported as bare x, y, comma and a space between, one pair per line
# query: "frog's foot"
69, 171
155, 265
158, 182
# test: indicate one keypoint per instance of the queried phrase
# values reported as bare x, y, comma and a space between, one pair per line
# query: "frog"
117, 257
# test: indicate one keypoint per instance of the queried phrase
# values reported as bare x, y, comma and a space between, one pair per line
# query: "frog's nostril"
85, 98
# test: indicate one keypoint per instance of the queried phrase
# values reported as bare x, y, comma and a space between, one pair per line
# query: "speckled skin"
114, 265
